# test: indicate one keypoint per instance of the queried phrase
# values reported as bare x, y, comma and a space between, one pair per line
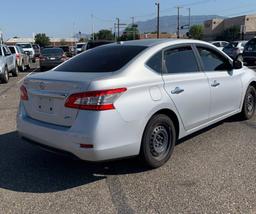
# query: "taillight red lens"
17, 56
94, 100
23, 93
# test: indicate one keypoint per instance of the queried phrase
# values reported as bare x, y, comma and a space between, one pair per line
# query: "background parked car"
7, 64
36, 49
28, 48
22, 59
219, 44
51, 57
235, 49
249, 54
94, 44
67, 50
80, 47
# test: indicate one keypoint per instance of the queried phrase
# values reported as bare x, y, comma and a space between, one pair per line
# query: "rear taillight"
94, 100
64, 57
42, 58
23, 93
17, 56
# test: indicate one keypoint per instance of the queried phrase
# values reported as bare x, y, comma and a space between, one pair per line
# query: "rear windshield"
251, 45
102, 59
79, 45
25, 45
232, 45
12, 49
52, 51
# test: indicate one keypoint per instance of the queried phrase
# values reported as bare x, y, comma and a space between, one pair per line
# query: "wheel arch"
172, 115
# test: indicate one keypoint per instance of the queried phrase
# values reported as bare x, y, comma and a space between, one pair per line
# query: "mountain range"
169, 23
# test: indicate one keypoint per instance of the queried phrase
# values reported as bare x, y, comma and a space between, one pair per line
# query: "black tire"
158, 141
249, 104
15, 71
5, 76
22, 68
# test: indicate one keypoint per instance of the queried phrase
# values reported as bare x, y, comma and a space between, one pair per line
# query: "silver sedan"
133, 98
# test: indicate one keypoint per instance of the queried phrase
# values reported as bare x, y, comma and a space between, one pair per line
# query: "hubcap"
159, 141
250, 103
6, 74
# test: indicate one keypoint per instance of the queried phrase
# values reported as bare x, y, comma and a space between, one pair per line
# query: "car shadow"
27, 168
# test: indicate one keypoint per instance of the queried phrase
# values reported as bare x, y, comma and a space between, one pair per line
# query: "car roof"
155, 42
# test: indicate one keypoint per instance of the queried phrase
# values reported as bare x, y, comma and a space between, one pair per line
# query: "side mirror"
237, 64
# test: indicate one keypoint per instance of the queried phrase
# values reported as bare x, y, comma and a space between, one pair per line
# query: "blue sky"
60, 18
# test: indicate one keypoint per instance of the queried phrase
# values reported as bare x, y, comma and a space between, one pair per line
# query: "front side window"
155, 62
213, 61
102, 59
180, 60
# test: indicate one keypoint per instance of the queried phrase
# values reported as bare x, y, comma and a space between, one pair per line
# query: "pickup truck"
7, 64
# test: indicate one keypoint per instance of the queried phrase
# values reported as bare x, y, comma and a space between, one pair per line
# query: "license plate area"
52, 58
45, 105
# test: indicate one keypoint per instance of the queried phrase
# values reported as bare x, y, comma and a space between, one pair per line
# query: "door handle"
215, 83
177, 90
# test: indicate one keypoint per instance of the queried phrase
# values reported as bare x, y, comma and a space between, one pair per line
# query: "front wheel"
158, 141
249, 104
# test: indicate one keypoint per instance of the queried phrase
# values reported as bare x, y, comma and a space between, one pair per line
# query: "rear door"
9, 58
225, 83
186, 85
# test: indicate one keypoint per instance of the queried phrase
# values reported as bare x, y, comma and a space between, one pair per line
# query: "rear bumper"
49, 64
108, 143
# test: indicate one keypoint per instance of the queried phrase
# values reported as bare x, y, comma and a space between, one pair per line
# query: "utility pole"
92, 27
178, 22
118, 28
158, 19
189, 18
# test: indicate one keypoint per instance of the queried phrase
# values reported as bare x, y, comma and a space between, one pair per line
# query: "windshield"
232, 45
102, 59
25, 45
52, 51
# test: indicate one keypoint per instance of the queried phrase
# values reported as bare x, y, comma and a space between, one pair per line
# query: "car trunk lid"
48, 93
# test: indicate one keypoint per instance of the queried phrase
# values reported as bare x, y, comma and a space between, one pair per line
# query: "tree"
104, 35
82, 39
196, 31
42, 40
130, 33
62, 42
230, 34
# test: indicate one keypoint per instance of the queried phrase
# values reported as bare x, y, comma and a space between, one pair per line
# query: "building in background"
154, 36
53, 41
246, 24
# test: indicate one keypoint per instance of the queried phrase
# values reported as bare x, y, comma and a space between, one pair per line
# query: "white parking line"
27, 75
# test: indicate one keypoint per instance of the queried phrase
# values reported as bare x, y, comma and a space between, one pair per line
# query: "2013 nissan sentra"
134, 98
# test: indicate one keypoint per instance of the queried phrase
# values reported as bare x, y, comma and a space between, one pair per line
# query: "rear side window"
102, 59
155, 62
12, 49
180, 60
213, 61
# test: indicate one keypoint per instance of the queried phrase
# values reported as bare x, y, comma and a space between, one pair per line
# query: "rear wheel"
249, 104
22, 67
15, 71
158, 141
5, 76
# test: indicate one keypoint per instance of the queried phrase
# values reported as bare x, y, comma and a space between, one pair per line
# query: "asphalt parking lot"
213, 171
